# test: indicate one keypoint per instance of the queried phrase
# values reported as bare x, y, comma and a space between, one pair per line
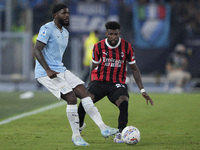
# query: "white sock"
73, 118
93, 112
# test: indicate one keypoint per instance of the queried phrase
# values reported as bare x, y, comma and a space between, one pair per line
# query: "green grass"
11, 104
171, 124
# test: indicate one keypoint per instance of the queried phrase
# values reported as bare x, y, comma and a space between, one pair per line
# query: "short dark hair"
96, 31
112, 25
58, 7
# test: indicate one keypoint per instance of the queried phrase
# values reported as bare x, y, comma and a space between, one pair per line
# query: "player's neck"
59, 26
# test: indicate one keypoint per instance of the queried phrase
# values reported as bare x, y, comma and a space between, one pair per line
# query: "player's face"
63, 17
113, 36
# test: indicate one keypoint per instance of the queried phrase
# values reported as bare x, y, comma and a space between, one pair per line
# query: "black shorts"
113, 91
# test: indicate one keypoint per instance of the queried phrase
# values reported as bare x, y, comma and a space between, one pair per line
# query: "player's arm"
37, 51
93, 66
95, 59
138, 80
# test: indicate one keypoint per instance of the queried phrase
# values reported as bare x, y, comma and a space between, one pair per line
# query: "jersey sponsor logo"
110, 62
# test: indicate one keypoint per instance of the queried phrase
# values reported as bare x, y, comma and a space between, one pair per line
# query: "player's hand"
52, 74
147, 97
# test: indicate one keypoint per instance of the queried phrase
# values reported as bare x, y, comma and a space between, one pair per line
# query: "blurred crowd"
185, 19
184, 22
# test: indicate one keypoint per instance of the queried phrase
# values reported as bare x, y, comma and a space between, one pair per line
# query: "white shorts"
63, 83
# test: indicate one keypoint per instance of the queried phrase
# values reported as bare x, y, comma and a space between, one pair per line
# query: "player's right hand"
147, 97
52, 74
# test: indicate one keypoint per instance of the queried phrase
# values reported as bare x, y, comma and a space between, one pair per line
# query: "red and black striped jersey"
112, 61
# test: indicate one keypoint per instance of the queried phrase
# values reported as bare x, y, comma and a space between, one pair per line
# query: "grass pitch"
171, 124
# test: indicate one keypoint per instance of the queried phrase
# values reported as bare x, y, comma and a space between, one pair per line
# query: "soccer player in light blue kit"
51, 43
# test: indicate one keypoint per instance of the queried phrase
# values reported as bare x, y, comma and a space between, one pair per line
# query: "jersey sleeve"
130, 55
95, 55
44, 34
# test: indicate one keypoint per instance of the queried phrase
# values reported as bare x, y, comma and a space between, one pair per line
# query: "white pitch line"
32, 112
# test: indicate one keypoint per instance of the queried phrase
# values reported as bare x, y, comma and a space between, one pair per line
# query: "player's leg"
92, 111
82, 113
87, 104
61, 89
81, 92
122, 104
96, 93
119, 96
72, 115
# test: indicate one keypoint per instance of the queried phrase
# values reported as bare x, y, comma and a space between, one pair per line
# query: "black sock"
123, 115
81, 113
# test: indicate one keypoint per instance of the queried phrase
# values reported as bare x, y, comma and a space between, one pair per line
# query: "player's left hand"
147, 97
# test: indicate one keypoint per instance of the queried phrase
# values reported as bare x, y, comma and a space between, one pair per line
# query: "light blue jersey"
56, 43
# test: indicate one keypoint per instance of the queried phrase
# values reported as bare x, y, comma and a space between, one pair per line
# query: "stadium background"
153, 27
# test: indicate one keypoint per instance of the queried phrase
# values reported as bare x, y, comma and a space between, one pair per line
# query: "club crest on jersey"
105, 53
122, 54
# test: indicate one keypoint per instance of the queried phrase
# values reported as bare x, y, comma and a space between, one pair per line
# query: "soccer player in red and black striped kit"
108, 75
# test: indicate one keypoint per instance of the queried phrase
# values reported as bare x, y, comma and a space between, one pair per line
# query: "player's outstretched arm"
138, 80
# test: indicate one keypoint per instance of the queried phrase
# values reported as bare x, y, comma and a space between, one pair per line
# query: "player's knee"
70, 98
124, 105
92, 97
80, 91
121, 100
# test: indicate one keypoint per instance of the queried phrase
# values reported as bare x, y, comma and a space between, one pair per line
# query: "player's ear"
54, 15
106, 33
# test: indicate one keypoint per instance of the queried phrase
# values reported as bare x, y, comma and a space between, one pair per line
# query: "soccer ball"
131, 135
